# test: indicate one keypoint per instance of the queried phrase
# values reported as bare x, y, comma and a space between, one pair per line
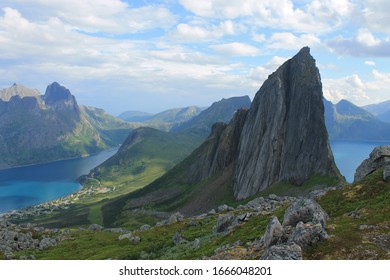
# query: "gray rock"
223, 223
284, 137
256, 203
273, 232
145, 227
178, 238
174, 218
95, 227
378, 159
47, 242
128, 236
306, 235
222, 208
386, 173
116, 230
283, 252
212, 212
305, 210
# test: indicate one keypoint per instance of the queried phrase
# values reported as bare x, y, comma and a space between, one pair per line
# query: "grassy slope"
370, 197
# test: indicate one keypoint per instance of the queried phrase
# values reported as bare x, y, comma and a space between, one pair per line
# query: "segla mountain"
38, 128
281, 138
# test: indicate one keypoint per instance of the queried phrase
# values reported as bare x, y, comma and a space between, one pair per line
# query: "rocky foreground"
304, 224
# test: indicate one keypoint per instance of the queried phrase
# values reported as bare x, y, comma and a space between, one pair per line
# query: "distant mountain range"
37, 128
164, 120
380, 110
148, 153
346, 121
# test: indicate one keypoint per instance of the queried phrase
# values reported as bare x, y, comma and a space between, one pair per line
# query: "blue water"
25, 186
349, 155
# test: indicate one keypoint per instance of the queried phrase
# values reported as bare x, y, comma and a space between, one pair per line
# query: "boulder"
223, 223
95, 227
125, 236
178, 238
273, 232
305, 210
47, 242
174, 218
145, 227
289, 251
379, 158
306, 235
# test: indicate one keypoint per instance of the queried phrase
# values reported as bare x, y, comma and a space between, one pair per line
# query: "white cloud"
285, 40
356, 90
316, 16
258, 37
370, 62
366, 38
364, 43
106, 16
376, 15
194, 33
236, 49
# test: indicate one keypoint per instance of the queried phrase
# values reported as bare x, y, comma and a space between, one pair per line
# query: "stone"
174, 218
306, 235
222, 208
273, 232
145, 227
223, 223
378, 158
256, 203
47, 242
305, 210
128, 236
178, 238
95, 227
212, 212
386, 172
284, 137
283, 252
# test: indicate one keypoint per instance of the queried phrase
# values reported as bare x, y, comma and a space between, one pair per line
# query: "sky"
154, 55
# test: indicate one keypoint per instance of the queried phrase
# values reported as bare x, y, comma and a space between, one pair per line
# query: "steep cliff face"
284, 136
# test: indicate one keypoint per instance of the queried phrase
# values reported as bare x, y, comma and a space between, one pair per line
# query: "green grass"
156, 243
371, 198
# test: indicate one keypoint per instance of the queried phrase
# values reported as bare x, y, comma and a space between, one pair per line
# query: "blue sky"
154, 55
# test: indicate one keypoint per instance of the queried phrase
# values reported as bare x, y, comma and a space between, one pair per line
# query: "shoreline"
57, 160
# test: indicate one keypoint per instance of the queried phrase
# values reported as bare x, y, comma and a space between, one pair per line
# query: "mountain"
380, 110
164, 120
134, 116
281, 139
221, 111
39, 128
148, 153
346, 121
17, 90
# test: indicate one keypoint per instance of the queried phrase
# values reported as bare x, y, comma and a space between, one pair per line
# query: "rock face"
284, 136
379, 158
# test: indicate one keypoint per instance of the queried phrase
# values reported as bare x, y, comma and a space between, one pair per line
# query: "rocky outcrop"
15, 238
60, 98
305, 210
283, 252
379, 158
284, 136
273, 232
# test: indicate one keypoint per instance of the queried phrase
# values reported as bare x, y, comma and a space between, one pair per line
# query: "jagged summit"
284, 137
17, 90
60, 97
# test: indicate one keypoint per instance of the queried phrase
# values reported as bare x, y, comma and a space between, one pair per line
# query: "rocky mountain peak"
60, 97
18, 90
284, 136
